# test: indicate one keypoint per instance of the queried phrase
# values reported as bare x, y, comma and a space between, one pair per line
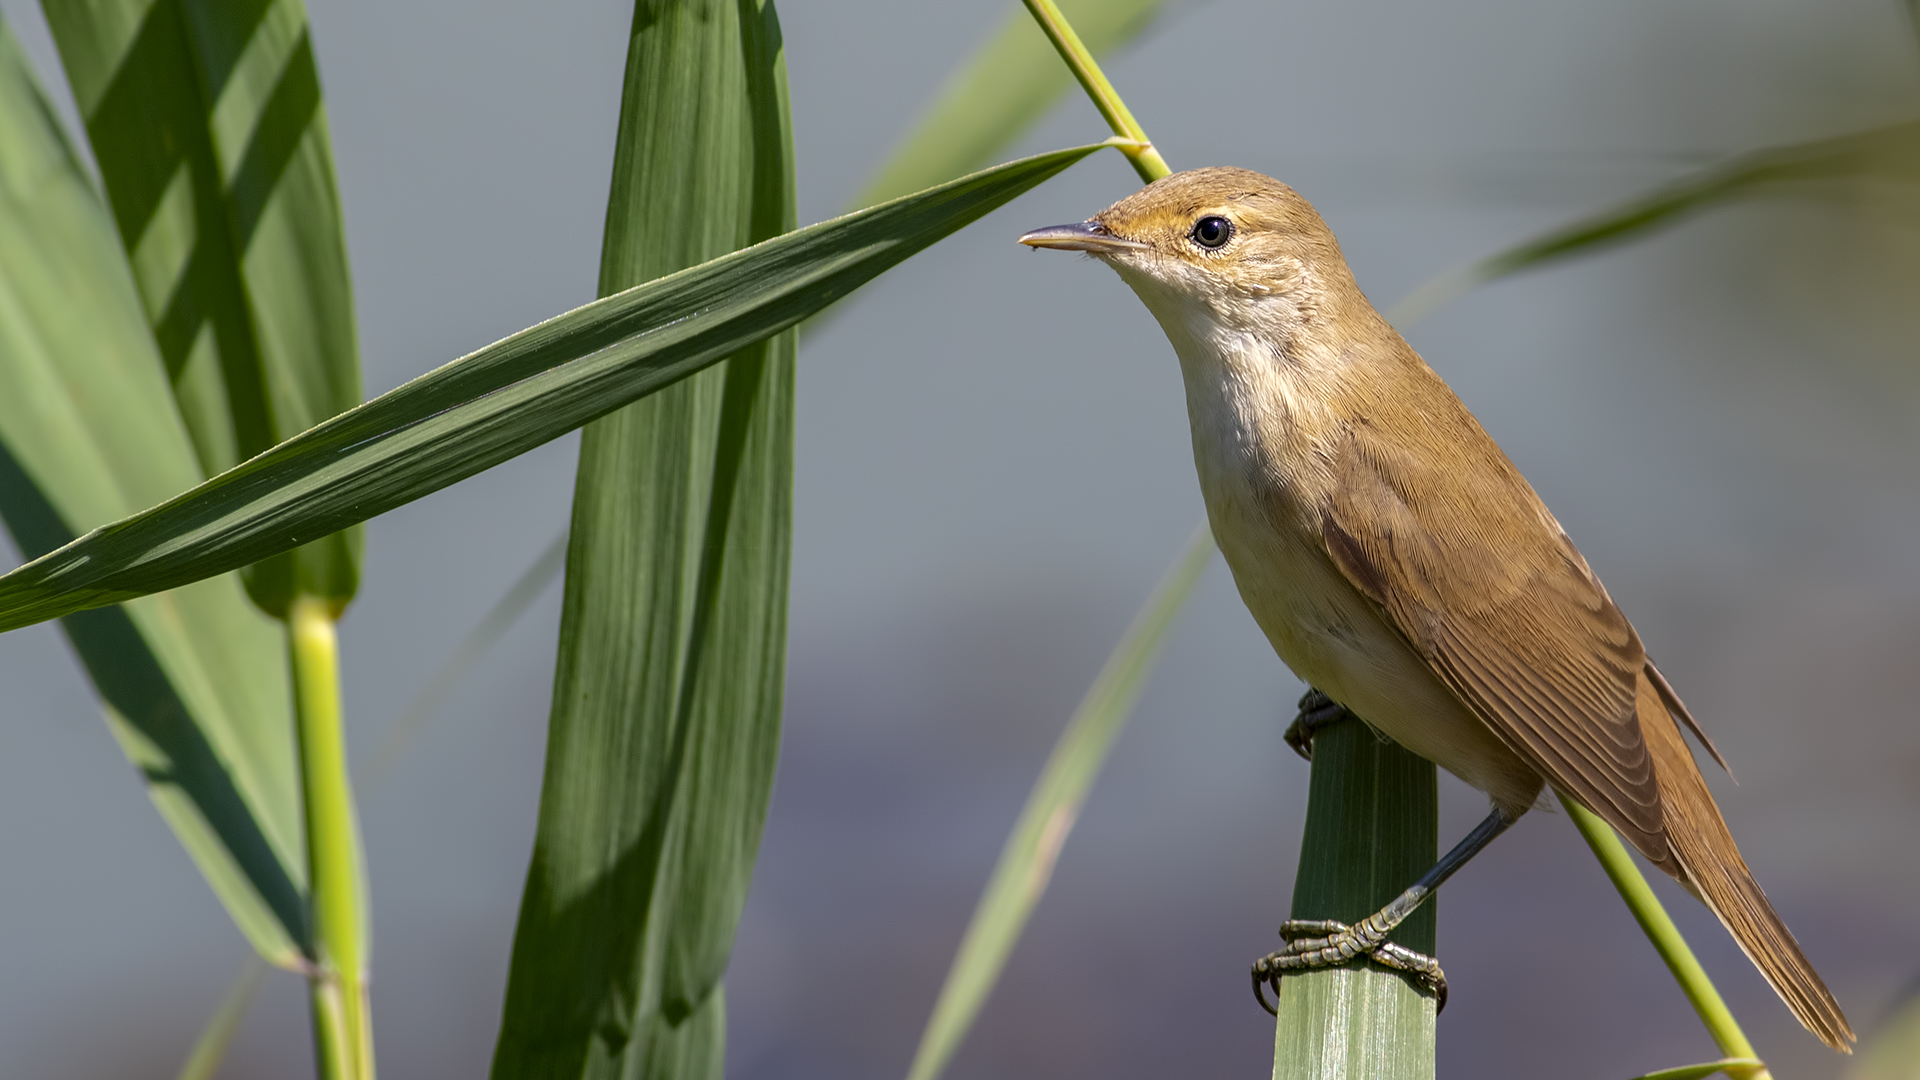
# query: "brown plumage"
1396, 558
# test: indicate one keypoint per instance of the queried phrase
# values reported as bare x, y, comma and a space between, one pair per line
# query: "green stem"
1659, 928
1372, 829
1146, 160
343, 1036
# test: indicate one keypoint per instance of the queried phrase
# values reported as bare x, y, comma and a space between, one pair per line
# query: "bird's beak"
1083, 236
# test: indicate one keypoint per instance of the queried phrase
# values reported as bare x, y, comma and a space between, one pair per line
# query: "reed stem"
1372, 829
1146, 160
1673, 949
343, 1035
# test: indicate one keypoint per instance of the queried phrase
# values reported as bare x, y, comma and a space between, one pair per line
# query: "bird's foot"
1314, 944
1317, 710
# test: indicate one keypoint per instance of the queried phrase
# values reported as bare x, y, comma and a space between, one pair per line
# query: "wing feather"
1479, 578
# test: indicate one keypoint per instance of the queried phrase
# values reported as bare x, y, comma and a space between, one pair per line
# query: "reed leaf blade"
1892, 1050
667, 692
208, 124
1890, 154
192, 681
1026, 862
501, 401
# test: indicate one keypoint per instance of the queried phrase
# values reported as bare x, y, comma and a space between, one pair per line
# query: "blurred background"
993, 470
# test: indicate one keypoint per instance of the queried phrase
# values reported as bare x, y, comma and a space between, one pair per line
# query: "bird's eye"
1212, 232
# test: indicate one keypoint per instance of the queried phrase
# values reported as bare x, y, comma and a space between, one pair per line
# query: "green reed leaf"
1891, 1050
503, 400
1026, 863
193, 681
207, 122
666, 706
1889, 153
203, 1061
1734, 1067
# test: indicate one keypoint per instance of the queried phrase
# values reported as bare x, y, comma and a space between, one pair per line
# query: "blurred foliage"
1026, 862
1888, 154
1892, 1050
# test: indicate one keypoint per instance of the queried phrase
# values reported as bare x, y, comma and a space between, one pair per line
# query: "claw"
1261, 977
1317, 710
1314, 944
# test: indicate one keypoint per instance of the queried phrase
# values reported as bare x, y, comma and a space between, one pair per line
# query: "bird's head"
1227, 246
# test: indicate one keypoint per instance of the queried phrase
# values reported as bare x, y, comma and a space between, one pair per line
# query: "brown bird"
1400, 564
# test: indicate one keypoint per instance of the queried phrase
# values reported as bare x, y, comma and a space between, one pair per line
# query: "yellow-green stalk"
343, 1034
1146, 160
1673, 949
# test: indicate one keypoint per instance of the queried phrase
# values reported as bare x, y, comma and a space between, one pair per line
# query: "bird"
1400, 564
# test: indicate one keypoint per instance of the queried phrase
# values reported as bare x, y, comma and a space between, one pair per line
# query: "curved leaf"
479, 641
505, 399
1737, 1067
1026, 862
1888, 153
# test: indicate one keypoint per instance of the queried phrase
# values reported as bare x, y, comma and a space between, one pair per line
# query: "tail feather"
1711, 867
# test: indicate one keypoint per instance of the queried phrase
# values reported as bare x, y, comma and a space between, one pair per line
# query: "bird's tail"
1710, 866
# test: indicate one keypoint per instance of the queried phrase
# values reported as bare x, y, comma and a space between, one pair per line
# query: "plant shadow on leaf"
217, 169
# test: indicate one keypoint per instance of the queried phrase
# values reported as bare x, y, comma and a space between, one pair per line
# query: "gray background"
993, 468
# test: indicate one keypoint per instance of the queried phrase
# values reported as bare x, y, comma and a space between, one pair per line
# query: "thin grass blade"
1738, 1068
192, 681
666, 704
1888, 154
473, 648
203, 1062
1026, 863
501, 401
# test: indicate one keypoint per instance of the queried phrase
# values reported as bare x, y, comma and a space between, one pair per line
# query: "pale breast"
1252, 469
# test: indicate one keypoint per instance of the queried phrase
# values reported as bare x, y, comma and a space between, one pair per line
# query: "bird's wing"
1482, 581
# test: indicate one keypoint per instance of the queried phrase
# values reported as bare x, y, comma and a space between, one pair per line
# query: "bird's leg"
1324, 943
1317, 710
